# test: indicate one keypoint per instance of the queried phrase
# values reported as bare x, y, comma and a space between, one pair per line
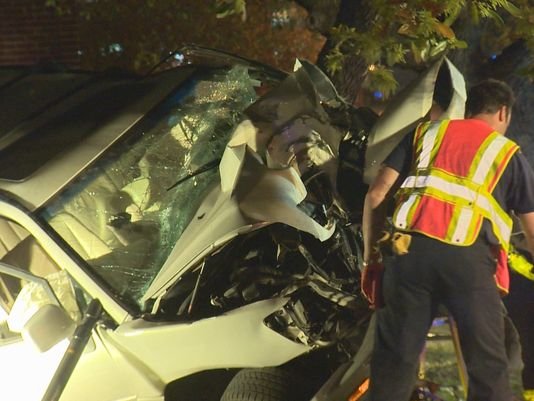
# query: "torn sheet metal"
298, 128
287, 135
250, 195
325, 89
273, 195
409, 107
351, 374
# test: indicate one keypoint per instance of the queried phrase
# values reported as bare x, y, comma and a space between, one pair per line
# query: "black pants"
514, 352
460, 278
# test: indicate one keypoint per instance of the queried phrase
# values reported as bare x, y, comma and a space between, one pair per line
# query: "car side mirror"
47, 327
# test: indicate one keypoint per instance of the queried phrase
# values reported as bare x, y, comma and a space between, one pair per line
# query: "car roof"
54, 122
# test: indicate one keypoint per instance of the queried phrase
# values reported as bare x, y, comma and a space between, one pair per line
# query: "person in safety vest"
460, 181
516, 261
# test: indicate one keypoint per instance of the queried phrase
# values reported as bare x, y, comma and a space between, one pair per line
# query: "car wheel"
267, 384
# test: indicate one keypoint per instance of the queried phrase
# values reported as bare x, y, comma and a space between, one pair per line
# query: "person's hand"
371, 282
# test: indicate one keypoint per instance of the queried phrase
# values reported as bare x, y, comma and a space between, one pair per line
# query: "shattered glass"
125, 213
33, 295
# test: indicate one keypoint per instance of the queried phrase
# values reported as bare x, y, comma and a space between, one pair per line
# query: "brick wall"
31, 33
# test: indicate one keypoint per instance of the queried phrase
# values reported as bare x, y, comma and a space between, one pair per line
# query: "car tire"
267, 384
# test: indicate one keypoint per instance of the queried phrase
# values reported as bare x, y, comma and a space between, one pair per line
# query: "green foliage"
420, 29
395, 53
526, 71
412, 32
335, 60
489, 9
380, 77
417, 32
224, 8
137, 34
59, 5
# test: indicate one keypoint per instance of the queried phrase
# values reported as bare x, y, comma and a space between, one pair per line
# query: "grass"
441, 365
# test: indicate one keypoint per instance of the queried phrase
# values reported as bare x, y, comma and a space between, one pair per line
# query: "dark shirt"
514, 191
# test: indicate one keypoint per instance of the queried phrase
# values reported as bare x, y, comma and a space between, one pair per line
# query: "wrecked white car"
203, 217
211, 209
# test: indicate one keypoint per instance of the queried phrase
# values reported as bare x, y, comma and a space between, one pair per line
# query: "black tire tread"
266, 384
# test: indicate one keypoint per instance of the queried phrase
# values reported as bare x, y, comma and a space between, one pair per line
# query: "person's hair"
489, 96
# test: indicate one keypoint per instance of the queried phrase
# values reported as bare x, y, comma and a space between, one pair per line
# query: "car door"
31, 280
29, 354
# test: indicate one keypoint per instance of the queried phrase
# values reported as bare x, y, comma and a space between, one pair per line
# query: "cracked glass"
124, 214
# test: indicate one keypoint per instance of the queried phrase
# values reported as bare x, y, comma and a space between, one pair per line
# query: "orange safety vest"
448, 192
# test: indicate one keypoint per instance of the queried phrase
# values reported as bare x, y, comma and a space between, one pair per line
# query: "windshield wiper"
202, 169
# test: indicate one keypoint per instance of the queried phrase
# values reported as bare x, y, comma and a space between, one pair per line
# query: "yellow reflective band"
427, 145
462, 225
520, 264
441, 184
489, 157
400, 217
419, 131
430, 144
469, 196
501, 161
455, 193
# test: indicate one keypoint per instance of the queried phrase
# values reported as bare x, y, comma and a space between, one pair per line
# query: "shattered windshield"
124, 214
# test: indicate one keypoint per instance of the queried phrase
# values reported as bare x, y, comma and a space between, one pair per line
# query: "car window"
125, 213
34, 331
9, 290
18, 248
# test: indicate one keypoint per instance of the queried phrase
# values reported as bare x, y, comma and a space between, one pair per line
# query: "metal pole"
462, 370
74, 351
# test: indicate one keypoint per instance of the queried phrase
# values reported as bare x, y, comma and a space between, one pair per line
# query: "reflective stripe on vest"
458, 200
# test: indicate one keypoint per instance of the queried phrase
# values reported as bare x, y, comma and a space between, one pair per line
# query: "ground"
440, 365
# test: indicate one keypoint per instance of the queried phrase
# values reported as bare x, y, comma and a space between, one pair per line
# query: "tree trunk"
352, 13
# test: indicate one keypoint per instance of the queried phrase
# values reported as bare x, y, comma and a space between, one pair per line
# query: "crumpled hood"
408, 107
287, 136
287, 139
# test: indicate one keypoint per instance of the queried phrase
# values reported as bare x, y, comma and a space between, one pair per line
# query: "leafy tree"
357, 42
367, 38
136, 34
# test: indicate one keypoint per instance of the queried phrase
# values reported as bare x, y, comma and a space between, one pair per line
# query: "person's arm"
519, 195
527, 224
374, 209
